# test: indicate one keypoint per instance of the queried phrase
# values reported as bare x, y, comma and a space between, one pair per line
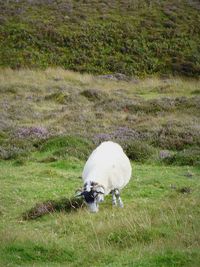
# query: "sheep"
107, 170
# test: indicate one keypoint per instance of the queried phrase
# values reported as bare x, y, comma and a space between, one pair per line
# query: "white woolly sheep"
107, 170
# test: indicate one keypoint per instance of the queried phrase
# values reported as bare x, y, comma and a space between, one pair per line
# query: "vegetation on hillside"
50, 121
137, 38
66, 114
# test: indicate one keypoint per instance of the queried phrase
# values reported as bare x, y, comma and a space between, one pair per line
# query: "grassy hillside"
137, 37
147, 117
49, 123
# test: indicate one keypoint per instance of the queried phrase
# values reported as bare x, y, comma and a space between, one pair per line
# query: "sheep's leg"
114, 199
119, 200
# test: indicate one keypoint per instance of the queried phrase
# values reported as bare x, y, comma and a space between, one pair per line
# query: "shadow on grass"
51, 206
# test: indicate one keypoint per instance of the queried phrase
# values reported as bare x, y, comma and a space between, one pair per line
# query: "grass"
50, 121
41, 105
140, 234
137, 38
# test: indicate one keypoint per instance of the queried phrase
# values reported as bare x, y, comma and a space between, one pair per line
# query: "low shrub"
190, 156
11, 152
175, 135
139, 151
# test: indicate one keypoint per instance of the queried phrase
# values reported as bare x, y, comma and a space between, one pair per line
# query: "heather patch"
11, 152
120, 134
35, 132
177, 136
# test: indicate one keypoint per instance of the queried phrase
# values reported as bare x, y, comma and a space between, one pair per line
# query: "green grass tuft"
66, 146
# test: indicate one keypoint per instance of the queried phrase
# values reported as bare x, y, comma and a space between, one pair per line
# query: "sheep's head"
93, 194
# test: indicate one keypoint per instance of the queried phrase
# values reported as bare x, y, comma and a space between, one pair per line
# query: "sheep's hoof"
121, 205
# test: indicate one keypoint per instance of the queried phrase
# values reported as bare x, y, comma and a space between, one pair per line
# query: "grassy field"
49, 123
159, 225
134, 37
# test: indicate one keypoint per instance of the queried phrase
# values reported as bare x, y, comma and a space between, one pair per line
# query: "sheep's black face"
93, 193
89, 196
90, 199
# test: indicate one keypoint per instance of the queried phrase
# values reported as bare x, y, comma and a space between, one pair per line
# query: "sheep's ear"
78, 193
99, 189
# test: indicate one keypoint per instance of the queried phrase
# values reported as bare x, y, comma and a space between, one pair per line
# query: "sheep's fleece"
108, 166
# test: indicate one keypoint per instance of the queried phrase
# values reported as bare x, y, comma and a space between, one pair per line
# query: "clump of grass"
39, 252
94, 94
58, 97
63, 146
48, 159
8, 89
139, 151
19, 162
50, 206
196, 92
166, 258
163, 104
189, 156
151, 106
139, 235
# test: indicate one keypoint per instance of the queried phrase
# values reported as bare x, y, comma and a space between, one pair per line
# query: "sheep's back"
108, 165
